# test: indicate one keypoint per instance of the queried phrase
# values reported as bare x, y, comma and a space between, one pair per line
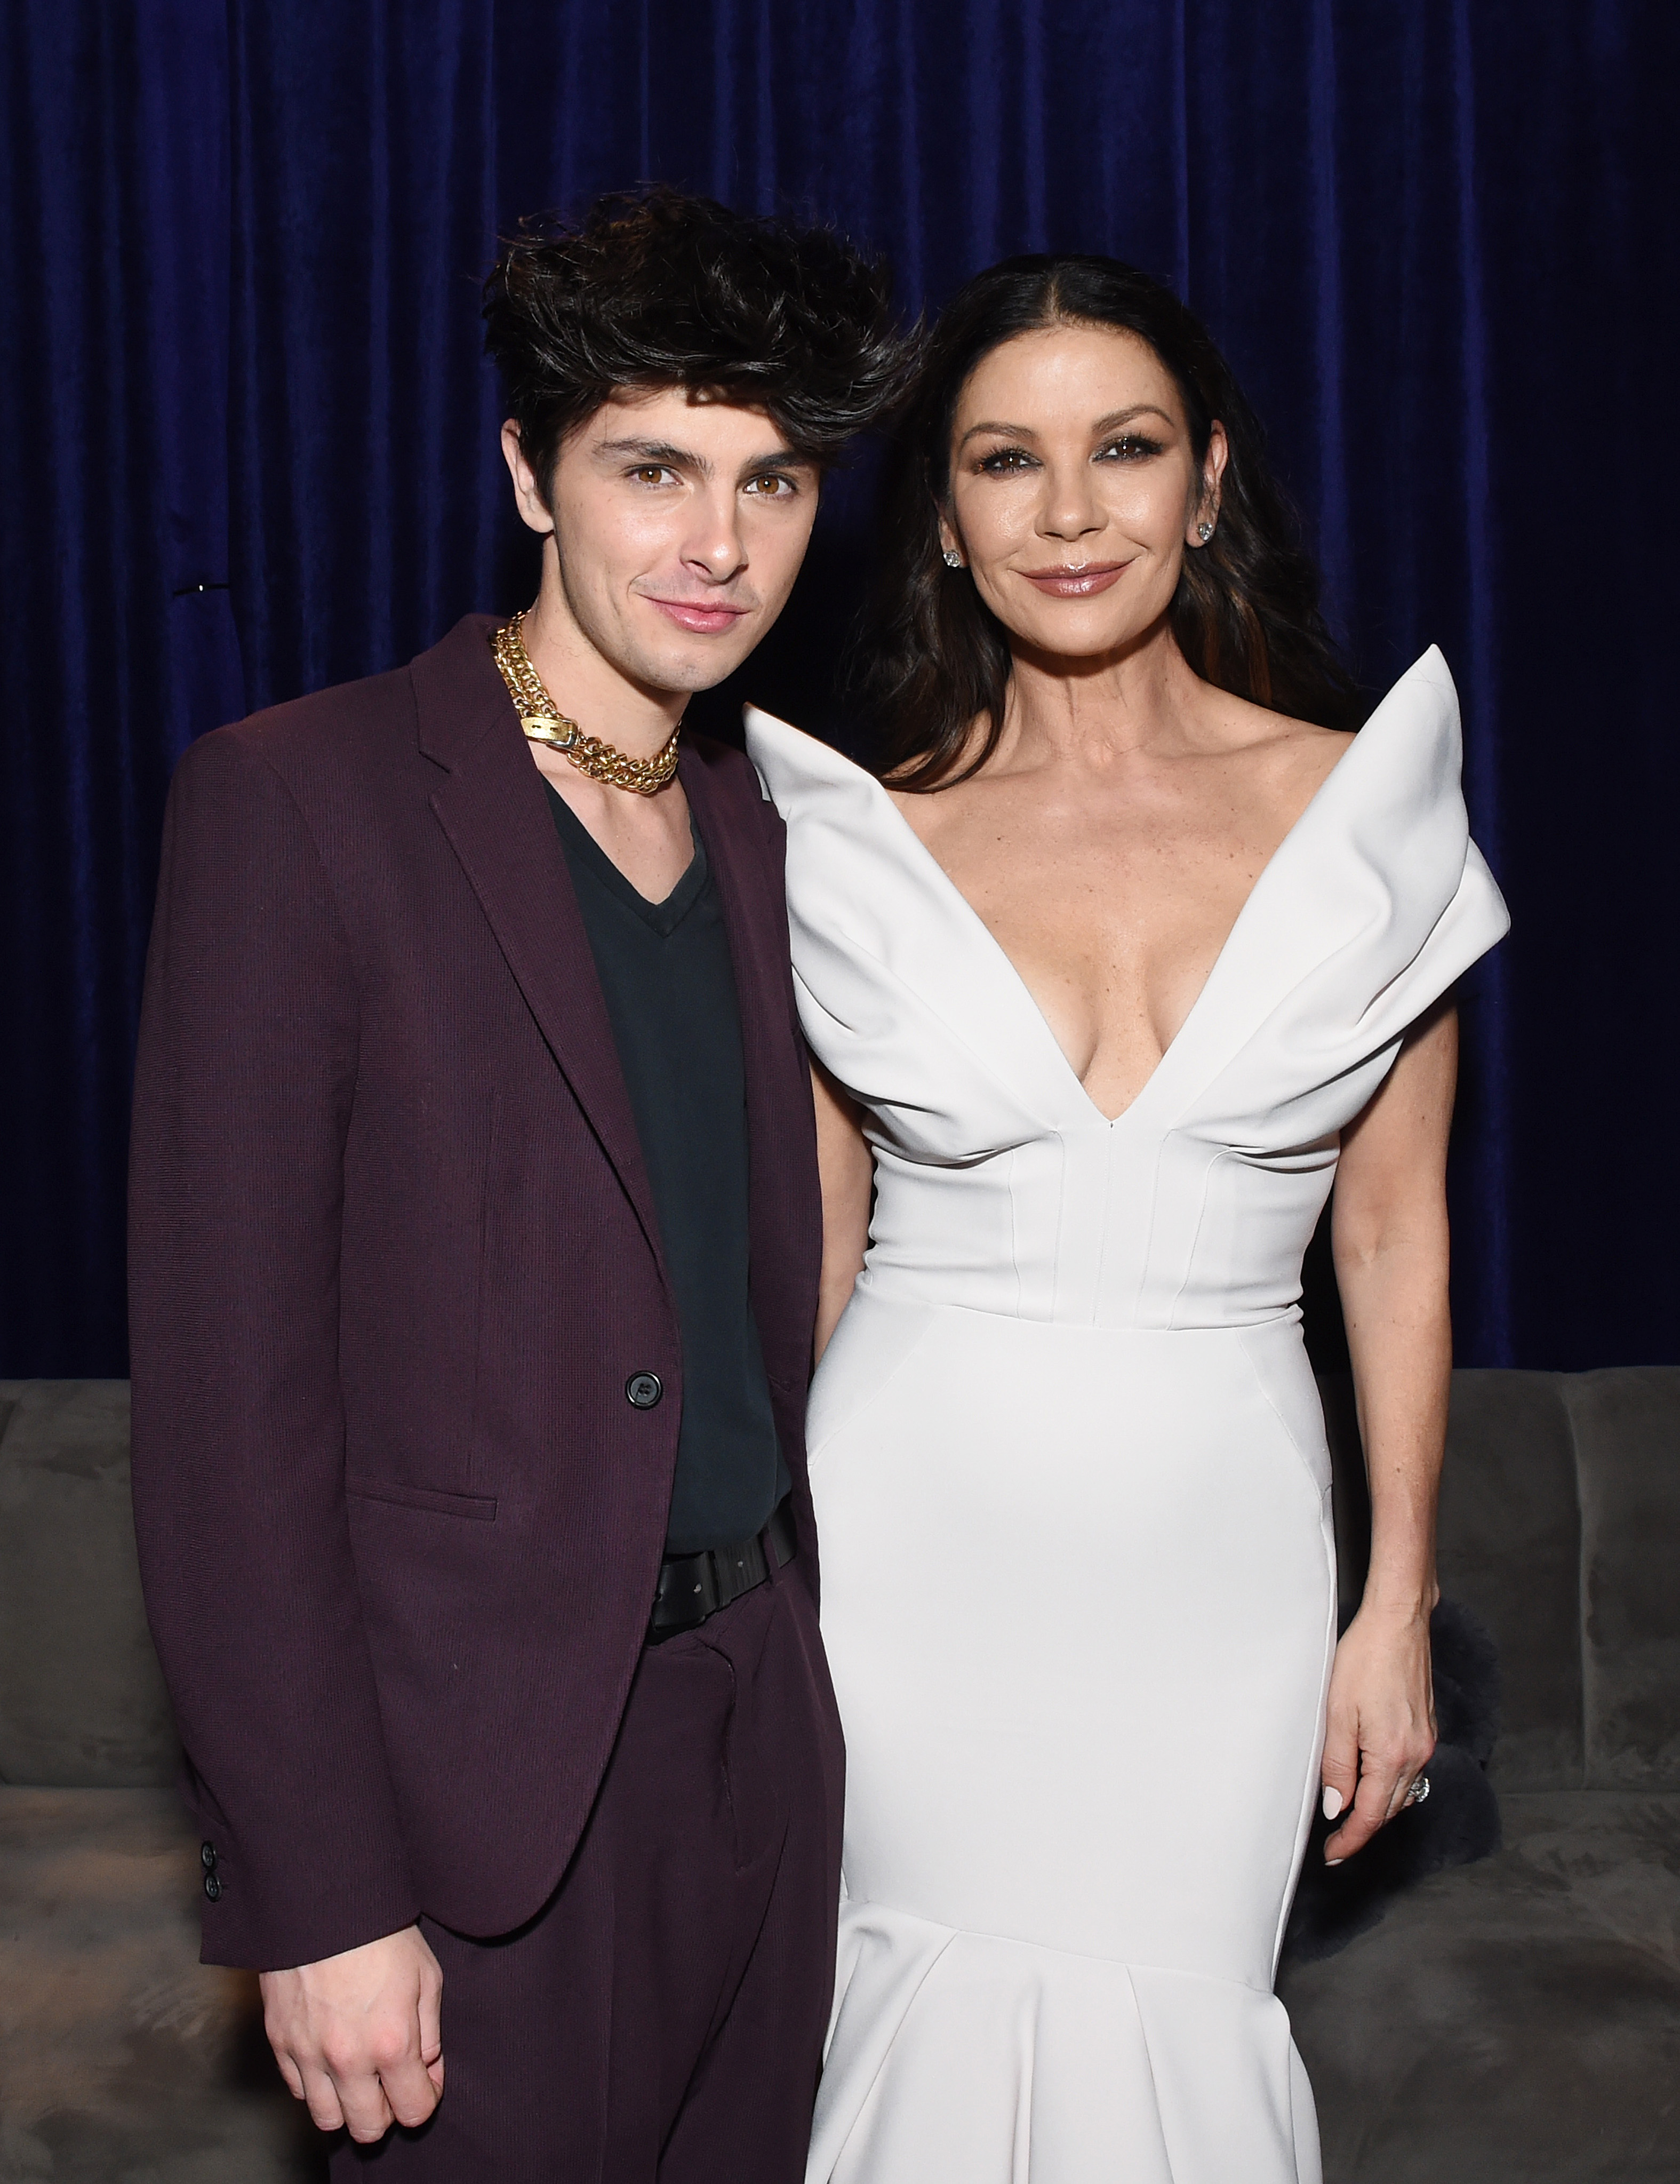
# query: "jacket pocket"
480, 1507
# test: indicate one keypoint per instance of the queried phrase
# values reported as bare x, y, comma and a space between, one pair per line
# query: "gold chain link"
544, 722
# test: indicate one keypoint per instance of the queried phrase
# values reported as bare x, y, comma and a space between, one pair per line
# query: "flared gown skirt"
1079, 1603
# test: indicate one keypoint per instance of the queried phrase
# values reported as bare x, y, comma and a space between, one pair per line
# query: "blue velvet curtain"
246, 448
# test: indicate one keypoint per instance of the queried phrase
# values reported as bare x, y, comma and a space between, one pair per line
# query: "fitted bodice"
999, 1185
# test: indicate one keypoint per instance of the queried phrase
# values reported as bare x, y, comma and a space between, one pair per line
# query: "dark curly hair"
935, 660
655, 288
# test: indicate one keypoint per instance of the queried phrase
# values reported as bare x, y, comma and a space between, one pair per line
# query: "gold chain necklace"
544, 722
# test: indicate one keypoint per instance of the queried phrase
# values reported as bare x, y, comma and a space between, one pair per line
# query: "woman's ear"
1205, 515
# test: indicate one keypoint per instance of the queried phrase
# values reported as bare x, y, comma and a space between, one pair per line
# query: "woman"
1133, 950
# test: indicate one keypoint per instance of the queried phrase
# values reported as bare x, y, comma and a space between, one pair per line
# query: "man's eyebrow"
655, 451
783, 459
1107, 424
685, 459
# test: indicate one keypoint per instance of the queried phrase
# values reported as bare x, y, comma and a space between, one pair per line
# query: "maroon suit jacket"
393, 1259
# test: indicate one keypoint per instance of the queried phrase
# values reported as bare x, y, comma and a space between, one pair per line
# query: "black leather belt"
692, 1587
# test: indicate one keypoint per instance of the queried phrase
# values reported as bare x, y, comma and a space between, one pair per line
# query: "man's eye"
772, 485
652, 473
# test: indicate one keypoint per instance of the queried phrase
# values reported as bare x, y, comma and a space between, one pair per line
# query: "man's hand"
358, 2036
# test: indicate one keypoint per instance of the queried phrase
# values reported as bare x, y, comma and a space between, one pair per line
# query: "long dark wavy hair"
934, 660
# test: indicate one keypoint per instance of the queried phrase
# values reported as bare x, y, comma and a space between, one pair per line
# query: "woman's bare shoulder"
1293, 753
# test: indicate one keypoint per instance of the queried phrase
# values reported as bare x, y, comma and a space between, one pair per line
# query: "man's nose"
714, 541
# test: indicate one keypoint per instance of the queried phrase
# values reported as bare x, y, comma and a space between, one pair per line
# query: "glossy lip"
1083, 580
693, 615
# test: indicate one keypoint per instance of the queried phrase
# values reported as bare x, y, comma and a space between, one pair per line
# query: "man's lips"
705, 617
1078, 581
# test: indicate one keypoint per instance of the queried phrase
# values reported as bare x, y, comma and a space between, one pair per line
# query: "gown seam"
1127, 1964
1210, 1169
1150, 2064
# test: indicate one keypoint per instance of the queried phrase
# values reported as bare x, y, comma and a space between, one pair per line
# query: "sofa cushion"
1627, 1425
82, 1698
121, 2056
1510, 1549
1516, 2019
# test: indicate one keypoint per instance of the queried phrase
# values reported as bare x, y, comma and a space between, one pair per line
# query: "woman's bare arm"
1389, 1237
847, 1167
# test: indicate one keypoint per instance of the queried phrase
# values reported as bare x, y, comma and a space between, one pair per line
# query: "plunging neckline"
944, 880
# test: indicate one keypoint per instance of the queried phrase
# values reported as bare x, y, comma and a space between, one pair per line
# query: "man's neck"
588, 687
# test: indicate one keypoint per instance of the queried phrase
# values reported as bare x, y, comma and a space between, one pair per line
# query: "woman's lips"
695, 614
1082, 582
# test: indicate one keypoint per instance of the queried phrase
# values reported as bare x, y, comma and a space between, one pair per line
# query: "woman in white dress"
1131, 952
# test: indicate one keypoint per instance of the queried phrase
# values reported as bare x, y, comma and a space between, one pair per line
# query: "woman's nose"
1070, 508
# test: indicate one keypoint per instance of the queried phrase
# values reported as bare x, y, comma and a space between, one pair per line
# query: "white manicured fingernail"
1332, 1806
1335, 1861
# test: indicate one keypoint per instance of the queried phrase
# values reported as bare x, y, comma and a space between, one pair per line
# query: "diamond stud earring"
952, 559
1204, 531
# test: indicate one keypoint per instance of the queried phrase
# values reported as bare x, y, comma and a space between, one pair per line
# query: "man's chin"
699, 664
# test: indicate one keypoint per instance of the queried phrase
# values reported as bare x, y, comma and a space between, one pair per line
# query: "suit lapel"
493, 809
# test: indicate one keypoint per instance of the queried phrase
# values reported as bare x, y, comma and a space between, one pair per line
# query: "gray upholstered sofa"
1512, 2022
123, 2060
1517, 2021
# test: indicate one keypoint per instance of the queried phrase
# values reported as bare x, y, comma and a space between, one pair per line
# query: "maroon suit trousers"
662, 2017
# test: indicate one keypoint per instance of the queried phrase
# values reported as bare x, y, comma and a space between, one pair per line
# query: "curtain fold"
247, 448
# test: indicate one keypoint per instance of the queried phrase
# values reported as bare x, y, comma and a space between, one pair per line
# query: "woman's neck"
1095, 709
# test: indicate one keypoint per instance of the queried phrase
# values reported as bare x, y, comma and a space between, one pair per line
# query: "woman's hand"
1381, 1722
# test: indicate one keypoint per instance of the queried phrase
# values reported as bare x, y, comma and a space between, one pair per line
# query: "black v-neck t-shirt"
665, 971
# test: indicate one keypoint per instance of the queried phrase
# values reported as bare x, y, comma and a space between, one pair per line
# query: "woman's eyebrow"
1114, 418
1009, 432
1125, 417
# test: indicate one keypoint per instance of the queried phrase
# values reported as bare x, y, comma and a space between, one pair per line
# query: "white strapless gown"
1073, 1487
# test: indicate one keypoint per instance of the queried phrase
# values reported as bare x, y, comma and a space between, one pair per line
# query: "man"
475, 1244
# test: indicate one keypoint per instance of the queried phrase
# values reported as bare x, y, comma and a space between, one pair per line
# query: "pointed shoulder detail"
1375, 902
1407, 756
871, 913
792, 766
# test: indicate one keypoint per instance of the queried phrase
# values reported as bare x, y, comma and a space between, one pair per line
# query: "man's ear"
534, 511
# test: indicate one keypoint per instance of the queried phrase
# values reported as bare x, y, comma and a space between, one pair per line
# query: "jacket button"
644, 1389
206, 1852
213, 1887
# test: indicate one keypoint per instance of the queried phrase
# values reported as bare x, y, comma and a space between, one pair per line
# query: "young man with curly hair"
475, 1248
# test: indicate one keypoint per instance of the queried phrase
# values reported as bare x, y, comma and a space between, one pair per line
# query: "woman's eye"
1130, 448
1002, 460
